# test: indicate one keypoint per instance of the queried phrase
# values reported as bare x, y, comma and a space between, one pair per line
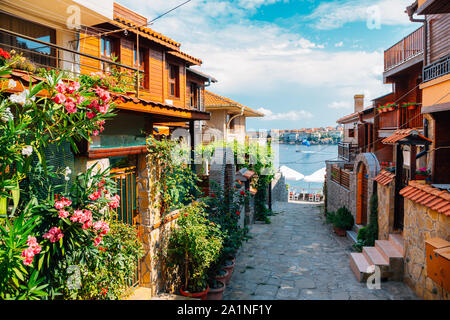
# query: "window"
174, 81
38, 53
193, 93
141, 64
107, 51
107, 47
351, 133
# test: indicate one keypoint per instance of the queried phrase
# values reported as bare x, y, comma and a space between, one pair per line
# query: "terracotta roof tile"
385, 177
428, 196
402, 134
215, 100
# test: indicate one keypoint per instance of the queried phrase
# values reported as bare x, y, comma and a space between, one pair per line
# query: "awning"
407, 136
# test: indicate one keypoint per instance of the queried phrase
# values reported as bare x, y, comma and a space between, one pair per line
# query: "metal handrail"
66, 49
436, 69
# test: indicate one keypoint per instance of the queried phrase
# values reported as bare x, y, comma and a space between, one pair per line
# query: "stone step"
388, 250
374, 256
397, 241
352, 235
359, 266
356, 227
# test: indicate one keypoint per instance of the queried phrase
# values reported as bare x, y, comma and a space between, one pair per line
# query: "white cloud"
293, 115
259, 59
339, 44
340, 105
332, 15
252, 4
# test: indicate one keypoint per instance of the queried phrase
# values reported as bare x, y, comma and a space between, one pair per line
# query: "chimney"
359, 102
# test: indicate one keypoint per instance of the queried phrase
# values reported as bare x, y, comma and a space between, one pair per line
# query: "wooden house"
227, 118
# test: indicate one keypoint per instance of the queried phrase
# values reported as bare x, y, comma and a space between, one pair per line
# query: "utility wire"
138, 26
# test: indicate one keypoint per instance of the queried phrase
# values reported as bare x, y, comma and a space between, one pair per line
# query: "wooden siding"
128, 14
439, 36
90, 46
156, 69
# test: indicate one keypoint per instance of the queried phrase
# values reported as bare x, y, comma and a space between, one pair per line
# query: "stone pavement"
298, 257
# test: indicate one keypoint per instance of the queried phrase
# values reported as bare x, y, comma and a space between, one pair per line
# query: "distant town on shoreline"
323, 135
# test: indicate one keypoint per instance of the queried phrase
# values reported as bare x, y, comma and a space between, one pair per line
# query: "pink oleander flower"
102, 108
80, 99
66, 202
95, 133
95, 195
97, 241
59, 205
63, 213
54, 234
28, 255
90, 114
61, 87
101, 128
115, 202
59, 98
75, 86
103, 94
34, 245
93, 105
100, 123
102, 226
70, 105
78, 215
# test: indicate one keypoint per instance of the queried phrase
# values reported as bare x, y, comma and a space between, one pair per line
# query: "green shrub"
193, 246
368, 234
343, 219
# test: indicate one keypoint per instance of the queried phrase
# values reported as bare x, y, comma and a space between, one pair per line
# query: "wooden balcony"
401, 118
347, 151
438, 69
406, 49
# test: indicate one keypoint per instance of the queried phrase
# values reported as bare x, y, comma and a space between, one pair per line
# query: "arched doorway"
362, 195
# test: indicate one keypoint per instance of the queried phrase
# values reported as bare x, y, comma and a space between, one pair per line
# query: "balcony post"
138, 65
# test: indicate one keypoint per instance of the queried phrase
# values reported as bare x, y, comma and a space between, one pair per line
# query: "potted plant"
410, 105
422, 174
342, 220
193, 246
216, 289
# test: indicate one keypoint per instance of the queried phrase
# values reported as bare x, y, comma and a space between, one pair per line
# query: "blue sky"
298, 61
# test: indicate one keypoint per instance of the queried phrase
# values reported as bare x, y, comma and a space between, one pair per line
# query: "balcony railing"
401, 118
436, 69
347, 151
41, 54
404, 50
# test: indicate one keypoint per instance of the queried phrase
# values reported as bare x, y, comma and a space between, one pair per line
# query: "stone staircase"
387, 254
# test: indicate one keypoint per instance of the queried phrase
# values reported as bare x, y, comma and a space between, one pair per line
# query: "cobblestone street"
298, 256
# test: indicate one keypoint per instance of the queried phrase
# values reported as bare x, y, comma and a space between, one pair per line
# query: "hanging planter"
410, 105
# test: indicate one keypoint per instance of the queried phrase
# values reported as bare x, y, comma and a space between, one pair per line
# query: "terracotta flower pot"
216, 293
229, 268
421, 177
340, 232
222, 278
391, 109
412, 107
198, 295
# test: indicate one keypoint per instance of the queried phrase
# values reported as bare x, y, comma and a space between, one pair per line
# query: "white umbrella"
291, 174
318, 176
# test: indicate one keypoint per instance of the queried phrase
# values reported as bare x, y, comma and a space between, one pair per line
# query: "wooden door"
362, 190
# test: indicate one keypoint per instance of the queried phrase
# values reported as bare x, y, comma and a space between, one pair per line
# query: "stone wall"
385, 210
421, 224
338, 196
279, 191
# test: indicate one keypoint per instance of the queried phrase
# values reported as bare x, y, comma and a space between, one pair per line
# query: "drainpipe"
425, 133
201, 103
410, 11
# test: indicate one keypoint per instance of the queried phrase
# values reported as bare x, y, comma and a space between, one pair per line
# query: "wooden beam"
412, 161
192, 137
